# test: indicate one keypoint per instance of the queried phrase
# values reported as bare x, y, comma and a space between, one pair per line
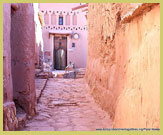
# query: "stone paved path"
66, 105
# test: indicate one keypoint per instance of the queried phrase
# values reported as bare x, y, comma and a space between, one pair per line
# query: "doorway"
60, 52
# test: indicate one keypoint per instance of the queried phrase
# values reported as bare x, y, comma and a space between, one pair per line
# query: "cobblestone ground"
66, 105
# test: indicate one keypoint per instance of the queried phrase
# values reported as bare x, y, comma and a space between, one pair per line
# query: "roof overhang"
140, 9
60, 32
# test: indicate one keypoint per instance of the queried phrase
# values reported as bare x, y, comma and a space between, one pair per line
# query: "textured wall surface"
7, 77
23, 50
123, 65
9, 111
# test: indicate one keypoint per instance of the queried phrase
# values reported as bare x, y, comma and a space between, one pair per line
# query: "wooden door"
60, 52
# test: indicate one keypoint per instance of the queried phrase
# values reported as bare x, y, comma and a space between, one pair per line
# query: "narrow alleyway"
66, 105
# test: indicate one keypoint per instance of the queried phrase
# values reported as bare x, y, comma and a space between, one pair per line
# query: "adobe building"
123, 65
64, 35
19, 41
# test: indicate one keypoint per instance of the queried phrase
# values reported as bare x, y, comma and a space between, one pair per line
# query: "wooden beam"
85, 10
79, 7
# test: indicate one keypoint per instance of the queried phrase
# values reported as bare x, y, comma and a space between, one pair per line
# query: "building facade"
64, 35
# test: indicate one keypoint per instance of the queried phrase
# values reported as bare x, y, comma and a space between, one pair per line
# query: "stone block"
10, 121
71, 74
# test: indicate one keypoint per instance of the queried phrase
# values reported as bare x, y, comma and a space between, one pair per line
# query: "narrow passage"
67, 105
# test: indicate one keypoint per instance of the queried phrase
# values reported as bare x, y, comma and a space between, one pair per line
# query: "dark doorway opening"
60, 52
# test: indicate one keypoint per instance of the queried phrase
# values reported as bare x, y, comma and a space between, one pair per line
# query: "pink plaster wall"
77, 55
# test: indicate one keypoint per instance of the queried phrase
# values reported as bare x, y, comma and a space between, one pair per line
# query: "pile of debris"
43, 74
77, 73
71, 74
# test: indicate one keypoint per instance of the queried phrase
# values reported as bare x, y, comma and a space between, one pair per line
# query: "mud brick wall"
123, 65
23, 58
9, 111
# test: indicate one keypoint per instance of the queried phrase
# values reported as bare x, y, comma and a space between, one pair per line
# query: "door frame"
54, 50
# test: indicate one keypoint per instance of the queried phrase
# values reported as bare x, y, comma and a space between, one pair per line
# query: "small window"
73, 44
60, 20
